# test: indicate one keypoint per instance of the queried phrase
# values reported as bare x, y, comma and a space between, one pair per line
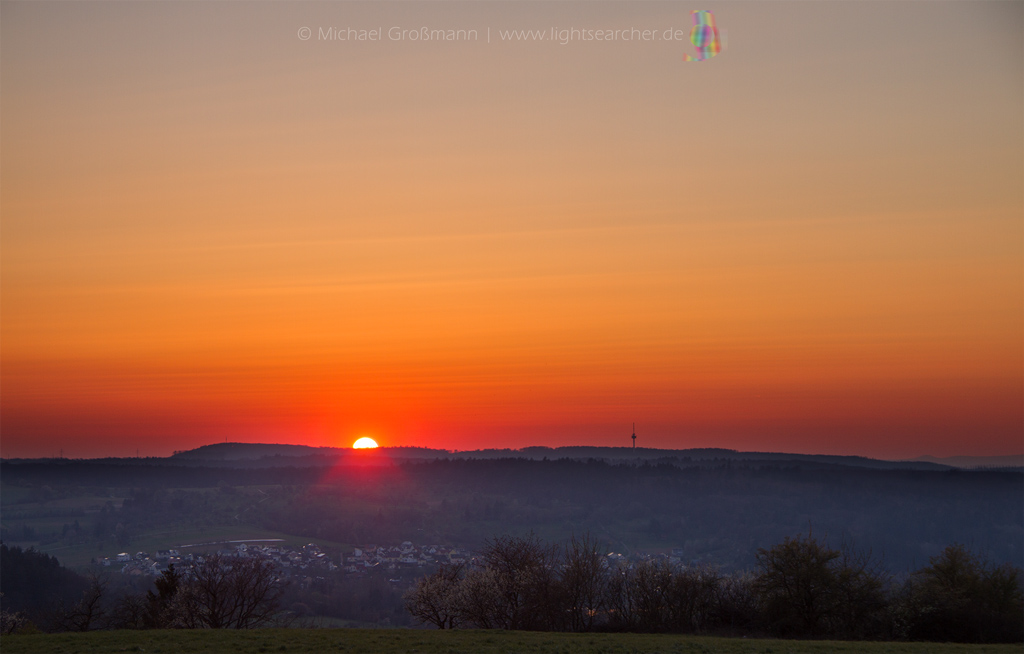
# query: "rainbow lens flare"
704, 36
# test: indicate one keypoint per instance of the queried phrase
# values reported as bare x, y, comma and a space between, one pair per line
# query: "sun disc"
364, 443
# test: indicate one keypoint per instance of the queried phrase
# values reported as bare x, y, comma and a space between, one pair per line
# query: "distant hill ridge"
240, 451
305, 454
1007, 461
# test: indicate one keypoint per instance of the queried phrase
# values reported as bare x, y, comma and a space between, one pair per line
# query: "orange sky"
212, 229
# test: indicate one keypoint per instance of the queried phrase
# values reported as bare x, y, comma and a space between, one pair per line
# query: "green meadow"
374, 641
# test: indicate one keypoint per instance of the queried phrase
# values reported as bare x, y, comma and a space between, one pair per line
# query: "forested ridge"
716, 511
660, 518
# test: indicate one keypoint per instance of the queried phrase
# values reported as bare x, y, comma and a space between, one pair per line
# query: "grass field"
372, 641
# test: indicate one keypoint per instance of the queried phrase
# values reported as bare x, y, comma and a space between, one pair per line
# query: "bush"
959, 597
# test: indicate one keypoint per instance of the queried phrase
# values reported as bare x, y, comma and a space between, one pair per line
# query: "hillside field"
381, 641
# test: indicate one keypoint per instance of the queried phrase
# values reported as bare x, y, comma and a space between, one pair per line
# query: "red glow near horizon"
546, 246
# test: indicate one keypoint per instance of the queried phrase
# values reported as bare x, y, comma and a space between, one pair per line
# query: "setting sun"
363, 443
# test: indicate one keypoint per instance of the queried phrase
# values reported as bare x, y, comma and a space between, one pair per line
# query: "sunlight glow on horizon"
364, 443
205, 237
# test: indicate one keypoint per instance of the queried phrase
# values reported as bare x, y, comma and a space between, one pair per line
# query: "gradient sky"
214, 230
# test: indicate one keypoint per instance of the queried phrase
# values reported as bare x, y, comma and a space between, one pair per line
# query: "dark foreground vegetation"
389, 641
217, 592
801, 588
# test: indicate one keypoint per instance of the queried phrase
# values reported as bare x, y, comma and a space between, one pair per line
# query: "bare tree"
692, 598
584, 581
621, 599
796, 581
652, 585
810, 589
656, 596
860, 598
87, 613
523, 570
226, 592
130, 612
435, 598
736, 606
960, 597
480, 599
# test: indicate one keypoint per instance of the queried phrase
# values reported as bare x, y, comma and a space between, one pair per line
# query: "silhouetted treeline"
140, 474
34, 583
221, 592
800, 588
215, 592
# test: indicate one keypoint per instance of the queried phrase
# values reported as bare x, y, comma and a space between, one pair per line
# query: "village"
307, 560
310, 561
